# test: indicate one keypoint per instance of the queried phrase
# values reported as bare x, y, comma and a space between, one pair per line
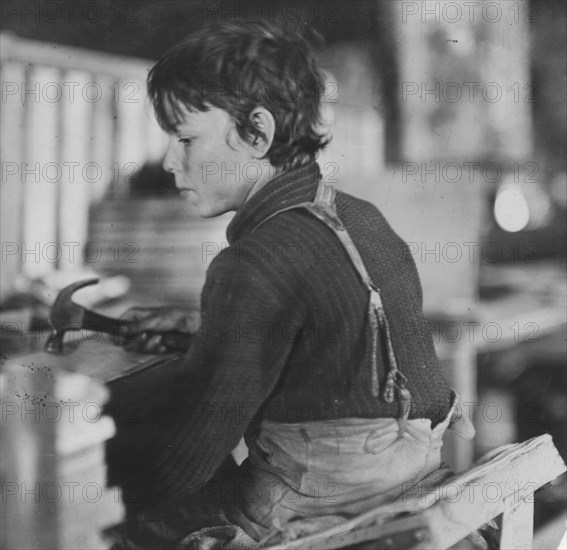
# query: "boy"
311, 344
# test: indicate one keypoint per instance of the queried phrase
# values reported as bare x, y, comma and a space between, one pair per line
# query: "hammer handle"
101, 323
173, 340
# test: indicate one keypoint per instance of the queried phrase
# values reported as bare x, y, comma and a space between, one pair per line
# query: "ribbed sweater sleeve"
232, 367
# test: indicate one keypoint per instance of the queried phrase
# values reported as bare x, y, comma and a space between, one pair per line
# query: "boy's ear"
265, 127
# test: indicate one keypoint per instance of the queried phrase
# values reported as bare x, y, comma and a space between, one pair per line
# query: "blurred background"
449, 116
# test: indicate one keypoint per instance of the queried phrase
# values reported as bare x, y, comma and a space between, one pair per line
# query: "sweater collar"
293, 186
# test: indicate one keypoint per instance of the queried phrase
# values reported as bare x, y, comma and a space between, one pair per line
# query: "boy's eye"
186, 141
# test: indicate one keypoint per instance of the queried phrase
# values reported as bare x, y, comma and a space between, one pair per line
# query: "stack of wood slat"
71, 427
54, 478
162, 245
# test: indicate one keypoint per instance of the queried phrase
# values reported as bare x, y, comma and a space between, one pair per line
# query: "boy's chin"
206, 211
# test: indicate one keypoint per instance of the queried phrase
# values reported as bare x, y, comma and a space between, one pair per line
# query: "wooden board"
506, 485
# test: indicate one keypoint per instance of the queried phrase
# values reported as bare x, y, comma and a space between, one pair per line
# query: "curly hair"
238, 67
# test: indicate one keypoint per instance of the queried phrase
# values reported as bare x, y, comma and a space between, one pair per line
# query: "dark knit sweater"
285, 333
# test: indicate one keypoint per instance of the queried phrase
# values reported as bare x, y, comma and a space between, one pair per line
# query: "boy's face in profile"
210, 162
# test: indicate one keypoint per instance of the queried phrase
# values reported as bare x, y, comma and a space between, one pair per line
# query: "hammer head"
65, 315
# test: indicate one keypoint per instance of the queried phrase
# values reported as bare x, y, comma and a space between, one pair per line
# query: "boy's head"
238, 68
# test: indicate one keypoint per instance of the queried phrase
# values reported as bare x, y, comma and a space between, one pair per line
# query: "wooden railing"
75, 125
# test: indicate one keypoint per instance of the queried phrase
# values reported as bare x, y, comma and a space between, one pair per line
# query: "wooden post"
517, 524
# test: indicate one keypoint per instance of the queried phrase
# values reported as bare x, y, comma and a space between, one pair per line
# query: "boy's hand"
145, 320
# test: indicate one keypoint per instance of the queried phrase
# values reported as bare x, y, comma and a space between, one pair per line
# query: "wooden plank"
479, 495
131, 132
75, 184
28, 448
43, 172
11, 189
517, 525
102, 139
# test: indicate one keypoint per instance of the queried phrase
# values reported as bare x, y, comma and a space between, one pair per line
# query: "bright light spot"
511, 208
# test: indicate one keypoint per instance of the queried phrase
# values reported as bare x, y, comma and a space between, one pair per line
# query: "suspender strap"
323, 208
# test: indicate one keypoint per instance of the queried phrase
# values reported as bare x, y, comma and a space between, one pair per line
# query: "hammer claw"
66, 314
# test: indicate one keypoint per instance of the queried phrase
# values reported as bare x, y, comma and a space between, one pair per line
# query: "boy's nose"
169, 161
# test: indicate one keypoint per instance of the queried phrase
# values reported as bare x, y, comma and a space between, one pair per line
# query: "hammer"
67, 315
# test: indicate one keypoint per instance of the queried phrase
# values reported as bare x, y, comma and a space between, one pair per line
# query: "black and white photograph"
283, 274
